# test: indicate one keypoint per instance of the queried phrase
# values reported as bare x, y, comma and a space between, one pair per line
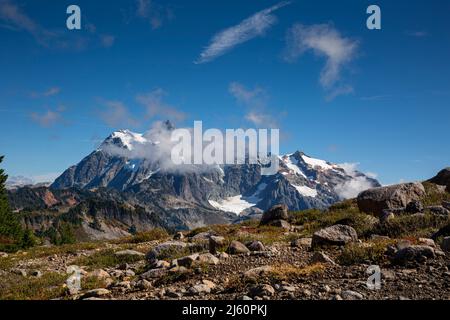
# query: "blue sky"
336, 90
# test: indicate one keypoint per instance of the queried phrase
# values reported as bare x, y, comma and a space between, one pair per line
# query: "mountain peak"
125, 139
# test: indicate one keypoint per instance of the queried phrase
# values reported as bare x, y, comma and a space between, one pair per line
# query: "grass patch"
90, 283
147, 236
285, 272
104, 259
411, 226
355, 253
49, 286
434, 195
172, 277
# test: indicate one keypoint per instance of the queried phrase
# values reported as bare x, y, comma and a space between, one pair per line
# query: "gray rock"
3, 255
215, 242
351, 295
256, 246
337, 235
187, 261
237, 247
391, 197
302, 242
154, 273
280, 224
199, 289
278, 212
261, 290
207, 258
129, 253
163, 250
416, 253
414, 207
36, 273
320, 257
178, 236
96, 293
438, 210
445, 245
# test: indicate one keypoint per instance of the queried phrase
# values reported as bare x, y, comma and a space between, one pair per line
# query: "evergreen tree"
12, 235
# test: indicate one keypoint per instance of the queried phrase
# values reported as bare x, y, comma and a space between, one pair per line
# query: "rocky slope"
307, 255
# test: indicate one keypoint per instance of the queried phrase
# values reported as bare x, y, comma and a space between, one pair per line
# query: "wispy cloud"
358, 183
48, 118
324, 41
255, 101
155, 13
154, 105
115, 114
252, 27
417, 34
13, 17
52, 91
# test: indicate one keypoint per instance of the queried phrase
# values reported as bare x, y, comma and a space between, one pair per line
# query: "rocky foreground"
404, 230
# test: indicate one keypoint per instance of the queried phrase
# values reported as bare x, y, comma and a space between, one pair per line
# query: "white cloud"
155, 13
155, 106
116, 114
48, 118
325, 41
52, 91
255, 101
252, 27
350, 189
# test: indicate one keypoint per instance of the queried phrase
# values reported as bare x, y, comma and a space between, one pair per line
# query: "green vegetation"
12, 235
373, 252
105, 258
15, 287
147, 236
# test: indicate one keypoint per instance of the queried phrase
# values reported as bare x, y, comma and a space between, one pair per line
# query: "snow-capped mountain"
138, 166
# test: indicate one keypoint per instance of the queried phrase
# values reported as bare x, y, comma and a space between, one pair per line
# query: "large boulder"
166, 250
442, 178
278, 212
337, 235
377, 200
237, 247
410, 254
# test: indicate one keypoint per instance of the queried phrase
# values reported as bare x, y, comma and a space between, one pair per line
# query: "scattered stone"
178, 236
245, 298
280, 224
129, 253
154, 273
320, 257
390, 197
416, 253
338, 235
209, 283
258, 272
223, 255
207, 258
302, 242
388, 274
96, 293
261, 290
199, 289
3, 255
446, 204
256, 246
438, 210
215, 243
351, 295
143, 285
36, 273
386, 216
445, 245
162, 250
171, 293
161, 264
278, 212
427, 242
187, 261
99, 274
414, 207
20, 272
237, 247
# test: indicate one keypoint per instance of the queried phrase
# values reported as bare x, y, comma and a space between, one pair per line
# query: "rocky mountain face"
135, 170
